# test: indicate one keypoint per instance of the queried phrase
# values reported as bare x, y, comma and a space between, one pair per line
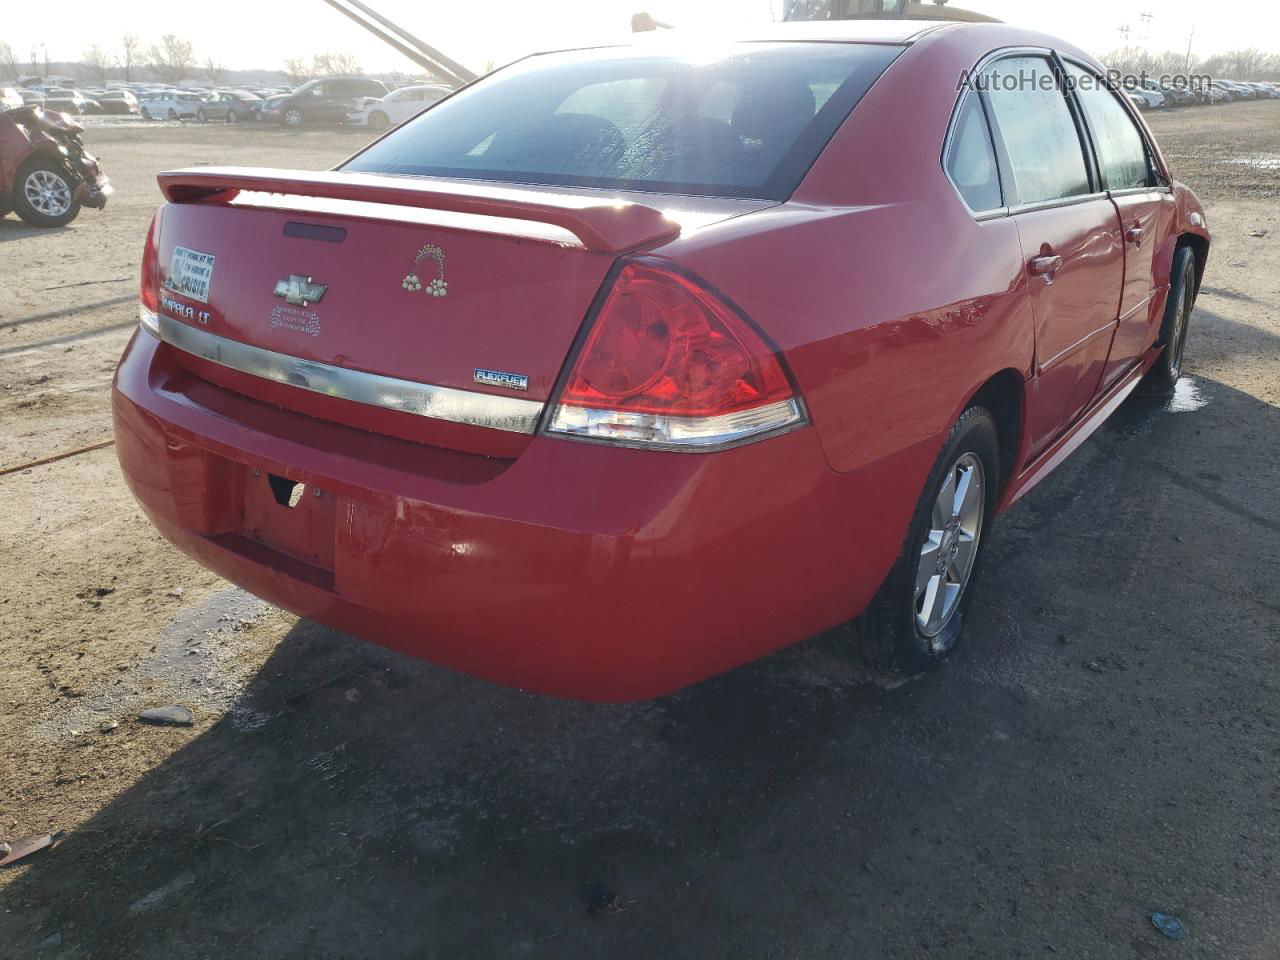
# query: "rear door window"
1122, 152
746, 122
1033, 120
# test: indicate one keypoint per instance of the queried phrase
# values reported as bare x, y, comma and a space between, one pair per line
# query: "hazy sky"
261, 33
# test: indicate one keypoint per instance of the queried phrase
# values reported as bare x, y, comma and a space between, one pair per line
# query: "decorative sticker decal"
296, 319
437, 287
190, 273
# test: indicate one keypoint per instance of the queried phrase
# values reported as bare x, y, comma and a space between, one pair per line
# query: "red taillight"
149, 285
668, 362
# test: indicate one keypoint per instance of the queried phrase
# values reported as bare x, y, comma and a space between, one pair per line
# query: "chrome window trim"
1041, 205
470, 407
1062, 202
1134, 191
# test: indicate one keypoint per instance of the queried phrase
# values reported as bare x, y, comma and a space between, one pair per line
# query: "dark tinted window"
1039, 133
746, 123
1122, 153
971, 159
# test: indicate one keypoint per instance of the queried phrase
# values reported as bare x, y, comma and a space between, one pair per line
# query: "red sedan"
624, 366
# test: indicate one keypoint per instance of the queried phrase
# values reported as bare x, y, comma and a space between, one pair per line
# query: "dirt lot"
1106, 744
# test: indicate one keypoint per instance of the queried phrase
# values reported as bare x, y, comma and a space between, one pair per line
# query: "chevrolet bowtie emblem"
300, 291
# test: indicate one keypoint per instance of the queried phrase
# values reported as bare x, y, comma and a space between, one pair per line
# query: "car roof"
856, 31
992, 34
832, 31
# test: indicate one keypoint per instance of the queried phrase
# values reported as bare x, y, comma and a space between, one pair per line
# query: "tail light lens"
668, 363
149, 283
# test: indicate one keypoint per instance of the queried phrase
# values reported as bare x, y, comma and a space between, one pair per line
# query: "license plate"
190, 273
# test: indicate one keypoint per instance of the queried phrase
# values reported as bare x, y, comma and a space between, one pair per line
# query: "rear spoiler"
603, 226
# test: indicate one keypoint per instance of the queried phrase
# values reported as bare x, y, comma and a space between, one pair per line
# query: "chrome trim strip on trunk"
513, 414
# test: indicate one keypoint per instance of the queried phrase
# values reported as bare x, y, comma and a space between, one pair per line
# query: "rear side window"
748, 122
971, 158
1122, 153
1039, 133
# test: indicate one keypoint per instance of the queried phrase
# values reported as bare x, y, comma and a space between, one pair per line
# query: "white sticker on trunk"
190, 273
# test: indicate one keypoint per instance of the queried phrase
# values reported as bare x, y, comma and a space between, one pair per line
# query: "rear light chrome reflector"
653, 430
470, 407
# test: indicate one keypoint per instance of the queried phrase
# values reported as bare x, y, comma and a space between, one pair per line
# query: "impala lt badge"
300, 291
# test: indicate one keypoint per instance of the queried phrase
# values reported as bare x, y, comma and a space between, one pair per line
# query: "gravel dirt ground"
1106, 744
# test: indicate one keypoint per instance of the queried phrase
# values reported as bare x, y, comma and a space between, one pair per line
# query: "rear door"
1144, 204
1070, 234
316, 103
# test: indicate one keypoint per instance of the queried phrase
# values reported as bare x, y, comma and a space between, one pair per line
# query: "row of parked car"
1149, 95
150, 100
354, 100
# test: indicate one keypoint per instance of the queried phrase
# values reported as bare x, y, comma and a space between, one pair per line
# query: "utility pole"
1186, 66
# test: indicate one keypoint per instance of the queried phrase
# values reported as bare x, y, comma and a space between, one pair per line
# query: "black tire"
1177, 318
292, 118
889, 634
173, 114
146, 114
379, 120
232, 117
201, 116
23, 206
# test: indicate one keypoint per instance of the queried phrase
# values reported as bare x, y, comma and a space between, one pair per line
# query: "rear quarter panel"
892, 303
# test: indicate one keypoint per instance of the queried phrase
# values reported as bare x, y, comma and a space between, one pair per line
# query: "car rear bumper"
576, 569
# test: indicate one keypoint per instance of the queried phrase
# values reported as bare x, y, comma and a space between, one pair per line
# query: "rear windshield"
747, 122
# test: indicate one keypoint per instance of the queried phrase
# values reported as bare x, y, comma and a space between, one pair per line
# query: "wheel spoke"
966, 545
960, 499
938, 605
930, 603
946, 498
928, 566
969, 503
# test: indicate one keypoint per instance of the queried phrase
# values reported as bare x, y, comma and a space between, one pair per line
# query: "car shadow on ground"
358, 803
11, 228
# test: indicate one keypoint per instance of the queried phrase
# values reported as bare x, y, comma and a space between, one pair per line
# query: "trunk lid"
471, 288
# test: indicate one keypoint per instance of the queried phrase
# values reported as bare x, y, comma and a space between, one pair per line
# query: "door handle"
1047, 264
1135, 235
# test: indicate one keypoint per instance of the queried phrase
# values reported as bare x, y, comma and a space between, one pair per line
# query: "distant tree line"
1250, 64
170, 61
331, 64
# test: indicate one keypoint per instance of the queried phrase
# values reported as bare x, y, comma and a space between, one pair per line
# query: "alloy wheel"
47, 192
950, 547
